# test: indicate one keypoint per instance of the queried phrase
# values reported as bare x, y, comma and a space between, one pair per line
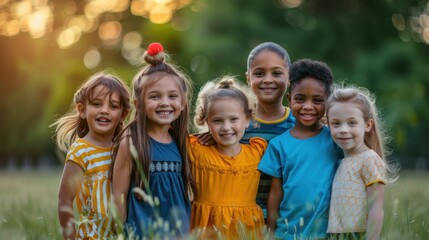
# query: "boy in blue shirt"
303, 160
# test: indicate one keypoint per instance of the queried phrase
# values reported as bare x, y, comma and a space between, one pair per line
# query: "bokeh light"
92, 58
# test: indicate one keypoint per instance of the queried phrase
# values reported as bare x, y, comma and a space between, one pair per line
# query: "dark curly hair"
304, 68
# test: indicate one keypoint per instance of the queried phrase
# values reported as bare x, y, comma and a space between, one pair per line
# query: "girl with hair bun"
151, 171
226, 173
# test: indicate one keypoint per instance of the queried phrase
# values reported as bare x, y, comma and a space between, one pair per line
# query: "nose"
343, 128
104, 109
164, 101
307, 105
267, 79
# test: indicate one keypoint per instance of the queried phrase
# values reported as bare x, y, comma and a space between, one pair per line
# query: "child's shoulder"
258, 143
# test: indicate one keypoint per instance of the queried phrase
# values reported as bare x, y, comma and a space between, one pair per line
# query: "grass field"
28, 206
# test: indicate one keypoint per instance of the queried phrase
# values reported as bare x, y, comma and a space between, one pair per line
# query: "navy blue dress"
171, 217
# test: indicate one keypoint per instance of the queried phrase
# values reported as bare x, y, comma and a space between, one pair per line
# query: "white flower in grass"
178, 224
156, 201
301, 222
146, 198
166, 226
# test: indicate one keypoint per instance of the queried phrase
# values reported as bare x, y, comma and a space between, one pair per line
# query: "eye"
298, 99
334, 124
153, 97
115, 106
319, 100
258, 74
234, 119
277, 74
352, 123
96, 103
174, 96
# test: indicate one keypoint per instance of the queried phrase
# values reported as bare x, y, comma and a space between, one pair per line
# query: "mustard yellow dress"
225, 200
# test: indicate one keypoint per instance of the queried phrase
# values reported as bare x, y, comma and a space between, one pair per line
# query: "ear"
125, 114
81, 109
247, 78
368, 125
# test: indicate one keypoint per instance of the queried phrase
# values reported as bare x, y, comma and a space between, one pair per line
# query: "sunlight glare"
110, 32
290, 3
92, 58
160, 14
38, 21
68, 37
425, 35
21, 9
12, 28
131, 41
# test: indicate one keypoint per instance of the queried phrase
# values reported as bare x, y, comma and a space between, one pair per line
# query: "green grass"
28, 206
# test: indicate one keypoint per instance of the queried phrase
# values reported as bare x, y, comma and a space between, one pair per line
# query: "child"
302, 161
86, 132
226, 174
158, 134
268, 77
356, 210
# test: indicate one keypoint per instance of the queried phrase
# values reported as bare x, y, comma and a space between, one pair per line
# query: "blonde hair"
227, 86
154, 69
70, 126
377, 138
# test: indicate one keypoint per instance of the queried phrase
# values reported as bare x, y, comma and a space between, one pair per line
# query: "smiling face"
163, 102
307, 102
227, 121
268, 77
348, 127
102, 113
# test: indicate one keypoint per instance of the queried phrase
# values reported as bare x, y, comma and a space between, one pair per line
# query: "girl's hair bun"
226, 83
154, 54
154, 48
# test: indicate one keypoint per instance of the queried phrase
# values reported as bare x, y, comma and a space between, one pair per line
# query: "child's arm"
274, 198
121, 178
205, 139
375, 201
70, 181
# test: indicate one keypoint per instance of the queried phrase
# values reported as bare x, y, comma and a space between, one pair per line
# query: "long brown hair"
137, 130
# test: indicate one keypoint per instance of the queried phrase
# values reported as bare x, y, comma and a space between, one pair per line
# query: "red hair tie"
154, 48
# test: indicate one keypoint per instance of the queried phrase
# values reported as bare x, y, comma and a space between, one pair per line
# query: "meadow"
28, 205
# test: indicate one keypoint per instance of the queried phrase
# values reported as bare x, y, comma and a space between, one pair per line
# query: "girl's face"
268, 77
163, 102
103, 113
348, 127
227, 121
307, 102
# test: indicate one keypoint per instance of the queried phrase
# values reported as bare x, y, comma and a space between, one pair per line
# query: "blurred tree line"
364, 42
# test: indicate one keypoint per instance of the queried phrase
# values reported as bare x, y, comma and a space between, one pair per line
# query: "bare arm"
205, 139
375, 201
274, 198
70, 181
121, 178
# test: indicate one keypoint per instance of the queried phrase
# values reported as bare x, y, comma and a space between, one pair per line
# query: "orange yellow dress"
225, 200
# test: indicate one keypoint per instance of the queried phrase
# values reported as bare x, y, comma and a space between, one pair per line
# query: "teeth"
164, 112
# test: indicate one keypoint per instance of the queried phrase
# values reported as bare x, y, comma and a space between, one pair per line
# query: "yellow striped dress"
93, 196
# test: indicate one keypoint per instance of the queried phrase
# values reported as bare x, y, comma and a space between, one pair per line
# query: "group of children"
261, 168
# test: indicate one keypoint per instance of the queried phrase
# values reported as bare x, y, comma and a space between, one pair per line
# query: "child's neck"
302, 132
104, 142
229, 150
270, 112
160, 134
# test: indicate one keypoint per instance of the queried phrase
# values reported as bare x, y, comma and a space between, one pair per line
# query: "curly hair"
304, 68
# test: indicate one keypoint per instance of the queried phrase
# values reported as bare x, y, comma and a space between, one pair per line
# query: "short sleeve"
373, 169
259, 144
270, 162
72, 157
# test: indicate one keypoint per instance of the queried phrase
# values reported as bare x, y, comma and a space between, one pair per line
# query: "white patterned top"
348, 209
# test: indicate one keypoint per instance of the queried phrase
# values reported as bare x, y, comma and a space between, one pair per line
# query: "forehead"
344, 109
268, 57
309, 85
225, 106
165, 83
103, 92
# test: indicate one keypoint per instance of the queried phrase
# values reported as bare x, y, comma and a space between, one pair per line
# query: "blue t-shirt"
307, 168
267, 130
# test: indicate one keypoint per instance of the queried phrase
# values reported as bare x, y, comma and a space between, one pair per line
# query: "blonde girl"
151, 168
86, 133
226, 173
356, 210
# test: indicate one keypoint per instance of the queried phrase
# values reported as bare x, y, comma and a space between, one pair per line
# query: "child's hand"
206, 139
